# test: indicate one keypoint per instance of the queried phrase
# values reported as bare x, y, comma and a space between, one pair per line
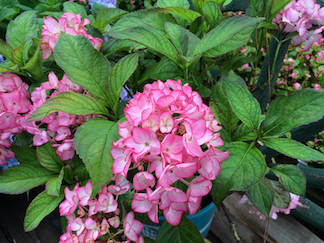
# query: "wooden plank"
251, 229
12, 213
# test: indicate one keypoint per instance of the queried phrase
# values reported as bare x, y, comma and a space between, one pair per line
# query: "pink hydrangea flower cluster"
59, 126
96, 220
14, 102
17, 104
294, 202
170, 135
69, 23
301, 16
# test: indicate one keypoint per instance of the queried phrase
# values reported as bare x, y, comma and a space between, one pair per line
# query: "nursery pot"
202, 220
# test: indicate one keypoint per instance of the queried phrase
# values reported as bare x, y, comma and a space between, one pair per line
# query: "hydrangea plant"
191, 128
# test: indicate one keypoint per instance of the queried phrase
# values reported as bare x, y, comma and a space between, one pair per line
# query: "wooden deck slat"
251, 229
12, 213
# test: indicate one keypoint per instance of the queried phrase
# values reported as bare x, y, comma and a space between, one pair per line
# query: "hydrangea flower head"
169, 136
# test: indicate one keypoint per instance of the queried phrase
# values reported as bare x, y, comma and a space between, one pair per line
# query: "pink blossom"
77, 225
210, 165
52, 82
172, 173
122, 160
93, 229
173, 204
245, 66
84, 193
106, 203
114, 221
119, 190
104, 227
5, 154
65, 150
297, 85
143, 141
69, 205
199, 187
69, 23
132, 227
142, 180
68, 237
317, 87
62, 133
143, 203
40, 138
171, 148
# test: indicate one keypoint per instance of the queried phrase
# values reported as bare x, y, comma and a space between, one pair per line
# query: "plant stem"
186, 74
231, 222
184, 181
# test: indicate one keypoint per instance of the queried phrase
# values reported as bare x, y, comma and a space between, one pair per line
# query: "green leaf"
51, 2
267, 122
22, 178
232, 63
5, 50
243, 169
257, 6
21, 28
8, 3
48, 158
276, 7
299, 108
35, 64
130, 20
53, 186
225, 31
83, 64
113, 45
178, 37
174, 3
8, 66
291, 177
244, 133
157, 20
17, 54
235, 5
105, 17
39, 208
163, 70
25, 155
185, 232
244, 105
74, 8
150, 38
110, 14
186, 14
120, 73
149, 240
264, 87
226, 116
232, 44
293, 149
212, 12
261, 195
200, 4
69, 102
6, 12
281, 196
93, 141
68, 174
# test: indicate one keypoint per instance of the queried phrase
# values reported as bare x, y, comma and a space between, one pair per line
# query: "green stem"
186, 74
276, 55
